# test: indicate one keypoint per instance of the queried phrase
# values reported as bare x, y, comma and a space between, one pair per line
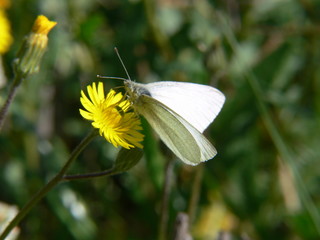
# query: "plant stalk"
12, 93
162, 235
42, 193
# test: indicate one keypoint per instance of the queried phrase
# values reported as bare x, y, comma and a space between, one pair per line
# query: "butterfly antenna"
117, 78
125, 69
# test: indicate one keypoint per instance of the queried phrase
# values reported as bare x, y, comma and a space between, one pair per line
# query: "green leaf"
127, 159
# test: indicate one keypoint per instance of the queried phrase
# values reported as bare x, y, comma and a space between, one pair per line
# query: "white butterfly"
179, 112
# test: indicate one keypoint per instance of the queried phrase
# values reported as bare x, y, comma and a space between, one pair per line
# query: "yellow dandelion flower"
113, 116
5, 33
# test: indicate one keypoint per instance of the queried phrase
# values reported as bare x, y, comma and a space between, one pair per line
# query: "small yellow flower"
5, 33
113, 116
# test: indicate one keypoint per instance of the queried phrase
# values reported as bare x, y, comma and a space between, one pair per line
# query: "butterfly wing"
184, 140
197, 104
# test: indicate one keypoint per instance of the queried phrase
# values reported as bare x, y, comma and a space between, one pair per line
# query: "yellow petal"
42, 25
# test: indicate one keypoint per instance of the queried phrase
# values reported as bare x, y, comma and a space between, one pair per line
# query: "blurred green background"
263, 55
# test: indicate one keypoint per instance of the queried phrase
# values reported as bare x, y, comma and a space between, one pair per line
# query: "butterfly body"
179, 112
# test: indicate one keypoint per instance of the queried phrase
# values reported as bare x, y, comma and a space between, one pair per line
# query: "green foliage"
264, 55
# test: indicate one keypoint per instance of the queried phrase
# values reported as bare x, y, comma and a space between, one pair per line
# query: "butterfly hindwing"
182, 138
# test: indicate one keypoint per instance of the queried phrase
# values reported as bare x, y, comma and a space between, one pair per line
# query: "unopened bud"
33, 47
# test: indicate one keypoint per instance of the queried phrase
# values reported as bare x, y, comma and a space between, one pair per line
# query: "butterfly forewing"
197, 104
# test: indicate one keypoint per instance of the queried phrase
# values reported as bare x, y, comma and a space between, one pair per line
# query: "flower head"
113, 116
34, 46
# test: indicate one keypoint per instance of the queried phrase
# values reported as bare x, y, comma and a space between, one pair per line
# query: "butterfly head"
135, 90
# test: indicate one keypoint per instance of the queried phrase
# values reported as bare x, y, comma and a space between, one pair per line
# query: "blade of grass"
284, 151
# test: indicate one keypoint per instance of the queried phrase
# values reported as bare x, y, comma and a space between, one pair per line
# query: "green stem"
108, 172
13, 90
285, 154
165, 200
195, 193
42, 193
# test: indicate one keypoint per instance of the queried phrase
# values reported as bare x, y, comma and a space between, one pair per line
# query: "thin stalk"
42, 193
286, 154
126, 159
108, 172
196, 189
162, 234
12, 93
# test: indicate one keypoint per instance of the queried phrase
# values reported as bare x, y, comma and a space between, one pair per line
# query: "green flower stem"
105, 173
167, 187
126, 159
13, 90
195, 193
42, 193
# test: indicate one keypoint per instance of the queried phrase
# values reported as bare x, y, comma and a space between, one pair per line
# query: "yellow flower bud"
33, 47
